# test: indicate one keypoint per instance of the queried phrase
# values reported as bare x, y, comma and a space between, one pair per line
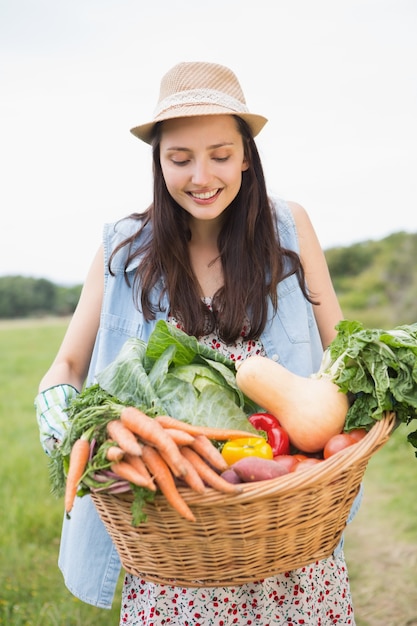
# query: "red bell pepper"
277, 437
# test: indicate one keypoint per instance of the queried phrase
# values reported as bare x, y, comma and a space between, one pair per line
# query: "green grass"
32, 592
381, 543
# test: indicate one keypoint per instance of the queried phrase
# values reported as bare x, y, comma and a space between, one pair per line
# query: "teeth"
204, 196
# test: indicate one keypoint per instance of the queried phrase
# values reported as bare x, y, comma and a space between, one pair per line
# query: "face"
202, 160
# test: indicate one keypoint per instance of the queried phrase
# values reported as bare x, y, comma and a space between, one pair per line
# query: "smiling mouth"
206, 195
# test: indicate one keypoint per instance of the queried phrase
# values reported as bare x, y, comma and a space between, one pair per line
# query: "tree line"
22, 296
376, 282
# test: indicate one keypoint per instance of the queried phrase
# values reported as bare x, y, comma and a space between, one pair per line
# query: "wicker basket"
273, 526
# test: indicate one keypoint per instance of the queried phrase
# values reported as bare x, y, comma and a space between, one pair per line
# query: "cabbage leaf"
174, 374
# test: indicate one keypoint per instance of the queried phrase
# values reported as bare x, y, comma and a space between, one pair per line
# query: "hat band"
194, 97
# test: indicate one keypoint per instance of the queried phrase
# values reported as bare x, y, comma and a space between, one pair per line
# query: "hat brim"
145, 131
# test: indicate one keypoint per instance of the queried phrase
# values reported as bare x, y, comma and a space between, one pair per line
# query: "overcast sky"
336, 78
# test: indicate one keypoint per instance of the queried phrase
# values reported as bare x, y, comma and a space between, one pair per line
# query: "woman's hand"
52, 418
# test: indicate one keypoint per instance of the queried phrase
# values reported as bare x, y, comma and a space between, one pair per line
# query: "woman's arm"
328, 312
71, 363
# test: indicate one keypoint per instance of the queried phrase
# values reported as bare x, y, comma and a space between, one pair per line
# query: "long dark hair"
253, 260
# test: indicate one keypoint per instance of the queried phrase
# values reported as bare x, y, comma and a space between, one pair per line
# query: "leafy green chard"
378, 368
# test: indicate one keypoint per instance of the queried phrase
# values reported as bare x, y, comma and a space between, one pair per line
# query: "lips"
205, 195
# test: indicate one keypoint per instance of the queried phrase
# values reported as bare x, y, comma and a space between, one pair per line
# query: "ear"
245, 165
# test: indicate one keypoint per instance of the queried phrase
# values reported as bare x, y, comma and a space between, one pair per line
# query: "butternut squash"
311, 410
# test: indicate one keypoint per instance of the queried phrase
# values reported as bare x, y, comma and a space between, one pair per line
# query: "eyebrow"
212, 147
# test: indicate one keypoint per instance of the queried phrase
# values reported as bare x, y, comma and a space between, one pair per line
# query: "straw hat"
196, 88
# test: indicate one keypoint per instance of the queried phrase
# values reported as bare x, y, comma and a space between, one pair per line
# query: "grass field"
381, 544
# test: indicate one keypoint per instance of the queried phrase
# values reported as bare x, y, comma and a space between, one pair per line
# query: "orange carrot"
209, 475
220, 434
129, 473
180, 437
78, 461
209, 452
192, 478
114, 453
124, 437
151, 432
165, 481
139, 465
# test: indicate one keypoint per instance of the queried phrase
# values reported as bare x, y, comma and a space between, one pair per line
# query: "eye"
180, 163
221, 159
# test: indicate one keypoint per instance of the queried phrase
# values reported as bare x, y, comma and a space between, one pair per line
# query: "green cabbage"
176, 375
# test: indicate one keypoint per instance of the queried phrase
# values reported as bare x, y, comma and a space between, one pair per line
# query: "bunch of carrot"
157, 454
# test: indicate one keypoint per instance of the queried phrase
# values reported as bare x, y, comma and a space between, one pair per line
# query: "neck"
205, 232
204, 256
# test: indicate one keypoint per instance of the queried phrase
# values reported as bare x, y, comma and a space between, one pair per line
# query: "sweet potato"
253, 468
230, 475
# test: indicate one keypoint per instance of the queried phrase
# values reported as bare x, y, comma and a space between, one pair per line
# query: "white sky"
336, 78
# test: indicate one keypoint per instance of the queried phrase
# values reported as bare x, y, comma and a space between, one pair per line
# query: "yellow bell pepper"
246, 446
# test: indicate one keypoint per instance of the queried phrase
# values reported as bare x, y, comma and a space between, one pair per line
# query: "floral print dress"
315, 595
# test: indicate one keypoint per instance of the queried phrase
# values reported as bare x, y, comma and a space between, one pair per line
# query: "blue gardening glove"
50, 412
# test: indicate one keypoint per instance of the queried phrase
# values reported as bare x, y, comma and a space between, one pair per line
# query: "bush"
22, 297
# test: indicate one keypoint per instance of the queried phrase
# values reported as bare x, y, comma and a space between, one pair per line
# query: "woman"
240, 271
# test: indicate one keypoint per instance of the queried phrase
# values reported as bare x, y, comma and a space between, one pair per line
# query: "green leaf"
215, 408
160, 367
178, 397
141, 497
412, 438
56, 473
127, 379
377, 366
188, 348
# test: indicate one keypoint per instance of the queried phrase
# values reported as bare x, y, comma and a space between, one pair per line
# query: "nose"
201, 174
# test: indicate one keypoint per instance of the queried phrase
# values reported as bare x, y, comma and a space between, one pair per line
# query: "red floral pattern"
241, 349
316, 595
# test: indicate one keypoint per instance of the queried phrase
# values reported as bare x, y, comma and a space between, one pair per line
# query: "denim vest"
88, 558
